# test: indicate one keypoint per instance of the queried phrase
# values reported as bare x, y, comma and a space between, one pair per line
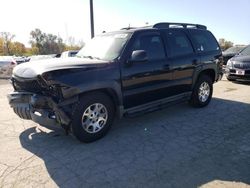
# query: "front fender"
88, 87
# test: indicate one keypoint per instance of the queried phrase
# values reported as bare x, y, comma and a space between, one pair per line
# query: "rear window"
179, 44
204, 41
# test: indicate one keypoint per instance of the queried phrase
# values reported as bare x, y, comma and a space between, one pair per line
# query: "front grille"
27, 85
242, 66
247, 72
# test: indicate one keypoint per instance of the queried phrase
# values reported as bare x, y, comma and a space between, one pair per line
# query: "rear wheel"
202, 92
92, 117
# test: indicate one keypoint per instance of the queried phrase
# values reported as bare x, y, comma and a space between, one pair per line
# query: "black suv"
121, 73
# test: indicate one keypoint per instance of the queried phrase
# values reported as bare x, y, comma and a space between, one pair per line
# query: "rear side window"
152, 44
204, 41
178, 43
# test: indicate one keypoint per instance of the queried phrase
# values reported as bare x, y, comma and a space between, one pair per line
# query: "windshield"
246, 51
234, 50
105, 47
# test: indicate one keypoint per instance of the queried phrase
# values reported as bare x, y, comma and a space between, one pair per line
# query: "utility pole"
92, 19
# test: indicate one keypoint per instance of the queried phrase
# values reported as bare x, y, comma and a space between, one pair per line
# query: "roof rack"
165, 25
128, 28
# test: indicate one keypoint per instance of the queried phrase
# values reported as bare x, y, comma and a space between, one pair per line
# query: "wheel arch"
112, 90
208, 72
111, 93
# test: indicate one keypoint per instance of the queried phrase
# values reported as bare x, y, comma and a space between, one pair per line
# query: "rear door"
182, 58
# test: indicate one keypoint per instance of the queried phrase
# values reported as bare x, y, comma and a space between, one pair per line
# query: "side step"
157, 105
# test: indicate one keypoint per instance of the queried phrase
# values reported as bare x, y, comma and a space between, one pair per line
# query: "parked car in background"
41, 57
230, 52
238, 67
7, 63
20, 60
71, 53
57, 55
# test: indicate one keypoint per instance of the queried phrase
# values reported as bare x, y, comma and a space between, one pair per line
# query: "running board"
157, 105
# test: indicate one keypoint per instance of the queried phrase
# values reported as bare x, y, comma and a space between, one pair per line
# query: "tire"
202, 92
92, 117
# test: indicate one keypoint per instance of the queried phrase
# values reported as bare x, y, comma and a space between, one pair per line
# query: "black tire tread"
194, 101
84, 102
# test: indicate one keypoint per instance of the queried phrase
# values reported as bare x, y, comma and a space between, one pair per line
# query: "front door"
144, 82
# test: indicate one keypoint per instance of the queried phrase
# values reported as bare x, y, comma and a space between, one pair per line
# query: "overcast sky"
226, 19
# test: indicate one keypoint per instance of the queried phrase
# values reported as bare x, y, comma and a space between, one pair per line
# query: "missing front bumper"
31, 106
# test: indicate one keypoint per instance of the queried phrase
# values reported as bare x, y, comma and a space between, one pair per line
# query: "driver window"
152, 44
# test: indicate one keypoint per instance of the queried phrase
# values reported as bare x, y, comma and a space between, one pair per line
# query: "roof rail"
128, 28
165, 25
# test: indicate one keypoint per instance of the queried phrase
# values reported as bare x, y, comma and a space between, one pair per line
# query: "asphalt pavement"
179, 146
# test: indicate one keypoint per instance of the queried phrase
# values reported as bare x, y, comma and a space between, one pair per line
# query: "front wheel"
202, 92
92, 117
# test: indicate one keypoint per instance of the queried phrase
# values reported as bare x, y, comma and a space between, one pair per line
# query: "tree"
81, 43
224, 44
17, 48
72, 44
41, 43
7, 40
37, 40
61, 45
31, 51
1, 46
46, 43
34, 51
71, 41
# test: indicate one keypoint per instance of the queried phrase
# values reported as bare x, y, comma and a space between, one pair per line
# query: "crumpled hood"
34, 68
243, 59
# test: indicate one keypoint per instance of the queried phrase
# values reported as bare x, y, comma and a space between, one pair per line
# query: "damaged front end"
34, 100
